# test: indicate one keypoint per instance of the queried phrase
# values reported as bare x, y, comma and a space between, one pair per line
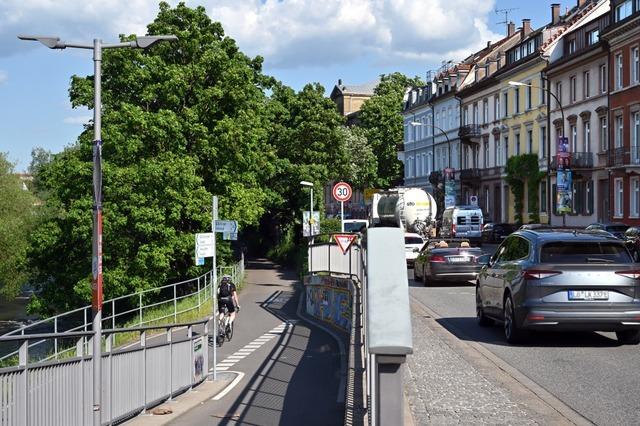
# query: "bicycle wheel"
229, 331
220, 334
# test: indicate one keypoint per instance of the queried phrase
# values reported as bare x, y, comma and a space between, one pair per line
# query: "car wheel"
425, 278
512, 332
628, 337
483, 320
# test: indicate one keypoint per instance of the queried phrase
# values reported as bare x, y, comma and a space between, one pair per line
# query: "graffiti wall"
329, 299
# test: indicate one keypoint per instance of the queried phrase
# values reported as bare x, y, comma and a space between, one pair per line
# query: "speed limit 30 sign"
342, 191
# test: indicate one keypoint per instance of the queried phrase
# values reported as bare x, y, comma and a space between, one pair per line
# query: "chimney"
511, 29
339, 82
526, 27
489, 43
581, 3
555, 13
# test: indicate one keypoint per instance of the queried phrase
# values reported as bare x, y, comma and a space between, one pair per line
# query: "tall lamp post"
310, 186
550, 94
96, 263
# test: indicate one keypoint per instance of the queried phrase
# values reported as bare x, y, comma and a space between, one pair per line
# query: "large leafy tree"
181, 121
382, 120
16, 221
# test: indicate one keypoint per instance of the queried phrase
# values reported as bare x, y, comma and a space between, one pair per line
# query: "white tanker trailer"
411, 209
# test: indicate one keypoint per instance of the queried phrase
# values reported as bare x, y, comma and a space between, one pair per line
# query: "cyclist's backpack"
225, 289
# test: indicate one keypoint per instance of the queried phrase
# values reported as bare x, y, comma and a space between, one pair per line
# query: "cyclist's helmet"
226, 279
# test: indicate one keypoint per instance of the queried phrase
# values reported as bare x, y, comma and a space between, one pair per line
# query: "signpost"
205, 247
342, 192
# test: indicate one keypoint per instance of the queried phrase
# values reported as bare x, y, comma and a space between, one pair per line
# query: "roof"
551, 234
366, 89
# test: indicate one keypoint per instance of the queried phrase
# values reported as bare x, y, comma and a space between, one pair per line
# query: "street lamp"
96, 264
310, 186
550, 93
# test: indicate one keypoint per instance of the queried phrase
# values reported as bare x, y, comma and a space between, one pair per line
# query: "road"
589, 372
291, 370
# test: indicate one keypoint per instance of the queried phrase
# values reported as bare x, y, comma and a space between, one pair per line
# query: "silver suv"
561, 280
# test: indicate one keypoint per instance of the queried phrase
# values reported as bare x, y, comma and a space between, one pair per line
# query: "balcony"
491, 172
470, 133
579, 160
469, 174
624, 156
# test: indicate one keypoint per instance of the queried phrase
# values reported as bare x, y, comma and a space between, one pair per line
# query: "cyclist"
227, 296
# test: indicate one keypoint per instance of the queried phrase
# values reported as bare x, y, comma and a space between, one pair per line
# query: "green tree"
361, 163
382, 120
16, 221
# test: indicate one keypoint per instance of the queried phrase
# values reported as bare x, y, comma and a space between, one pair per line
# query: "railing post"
113, 313
206, 352
80, 353
140, 308
190, 337
175, 305
55, 340
198, 293
23, 361
109, 348
170, 341
143, 345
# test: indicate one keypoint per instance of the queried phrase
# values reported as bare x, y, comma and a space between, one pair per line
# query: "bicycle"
225, 327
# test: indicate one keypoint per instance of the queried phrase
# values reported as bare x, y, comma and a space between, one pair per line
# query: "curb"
474, 348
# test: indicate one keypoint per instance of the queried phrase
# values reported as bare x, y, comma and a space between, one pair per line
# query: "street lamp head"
305, 183
416, 123
50, 41
144, 42
517, 83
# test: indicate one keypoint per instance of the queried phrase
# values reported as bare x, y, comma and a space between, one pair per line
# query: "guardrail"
140, 376
136, 308
380, 335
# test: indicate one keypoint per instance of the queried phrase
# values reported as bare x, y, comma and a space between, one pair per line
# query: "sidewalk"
448, 381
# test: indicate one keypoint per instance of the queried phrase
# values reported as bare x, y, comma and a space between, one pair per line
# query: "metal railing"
142, 308
135, 378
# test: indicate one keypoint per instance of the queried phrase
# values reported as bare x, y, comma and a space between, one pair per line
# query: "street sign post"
226, 226
342, 192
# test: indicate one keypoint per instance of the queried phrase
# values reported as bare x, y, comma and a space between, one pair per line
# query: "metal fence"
134, 378
163, 303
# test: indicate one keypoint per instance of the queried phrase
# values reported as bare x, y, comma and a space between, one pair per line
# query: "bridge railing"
141, 375
165, 303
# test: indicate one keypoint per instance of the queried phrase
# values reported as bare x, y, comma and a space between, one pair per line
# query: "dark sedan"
456, 262
616, 229
496, 232
561, 280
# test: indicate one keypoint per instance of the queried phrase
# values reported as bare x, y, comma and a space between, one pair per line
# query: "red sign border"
352, 238
333, 192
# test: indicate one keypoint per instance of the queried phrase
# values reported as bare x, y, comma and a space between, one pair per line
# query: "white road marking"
231, 385
222, 368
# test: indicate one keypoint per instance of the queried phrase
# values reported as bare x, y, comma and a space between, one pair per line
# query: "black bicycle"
225, 327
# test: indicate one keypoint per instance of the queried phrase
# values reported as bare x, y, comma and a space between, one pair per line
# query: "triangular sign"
344, 241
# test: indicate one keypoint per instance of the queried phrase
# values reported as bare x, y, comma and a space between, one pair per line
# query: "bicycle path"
290, 370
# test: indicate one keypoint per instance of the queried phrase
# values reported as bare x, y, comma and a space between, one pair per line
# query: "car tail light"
634, 275
438, 259
539, 274
453, 229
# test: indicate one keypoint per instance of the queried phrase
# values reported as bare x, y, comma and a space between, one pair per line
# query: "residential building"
577, 74
623, 38
349, 99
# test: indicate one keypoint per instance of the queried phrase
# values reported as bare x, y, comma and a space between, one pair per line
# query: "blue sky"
355, 40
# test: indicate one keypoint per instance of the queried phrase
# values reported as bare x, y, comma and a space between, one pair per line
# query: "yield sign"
344, 241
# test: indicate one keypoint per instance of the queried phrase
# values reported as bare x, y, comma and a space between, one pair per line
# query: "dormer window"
593, 37
517, 55
571, 46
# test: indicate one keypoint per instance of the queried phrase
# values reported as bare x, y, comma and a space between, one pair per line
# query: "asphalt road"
291, 370
589, 372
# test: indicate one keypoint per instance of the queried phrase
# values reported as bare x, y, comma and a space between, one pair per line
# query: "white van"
462, 222
355, 225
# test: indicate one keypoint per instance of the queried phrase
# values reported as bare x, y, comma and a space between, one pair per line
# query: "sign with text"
229, 226
205, 245
342, 191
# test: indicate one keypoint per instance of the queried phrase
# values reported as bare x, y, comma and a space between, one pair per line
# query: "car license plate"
588, 295
458, 259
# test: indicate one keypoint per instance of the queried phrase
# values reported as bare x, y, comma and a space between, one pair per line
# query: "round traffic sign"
342, 191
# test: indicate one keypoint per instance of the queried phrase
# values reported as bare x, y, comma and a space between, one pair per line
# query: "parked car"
617, 229
413, 243
632, 237
455, 262
462, 222
496, 232
560, 280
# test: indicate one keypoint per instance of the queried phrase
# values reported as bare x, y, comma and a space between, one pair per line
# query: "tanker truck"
411, 209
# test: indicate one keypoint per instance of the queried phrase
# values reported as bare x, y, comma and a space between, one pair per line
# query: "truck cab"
462, 222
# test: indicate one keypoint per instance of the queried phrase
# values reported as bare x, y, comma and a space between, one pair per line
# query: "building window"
528, 97
485, 111
586, 136
505, 103
496, 107
486, 200
543, 91
586, 84
573, 131
635, 64
635, 138
543, 142
558, 94
465, 116
603, 78
590, 197
572, 46
623, 10
517, 147
593, 37
529, 141
578, 197
516, 100
619, 71
486, 152
497, 150
475, 114
619, 132
618, 195
572, 89
634, 207
604, 134
505, 155
543, 197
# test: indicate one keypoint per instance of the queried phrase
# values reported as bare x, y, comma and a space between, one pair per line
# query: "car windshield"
584, 252
354, 226
413, 240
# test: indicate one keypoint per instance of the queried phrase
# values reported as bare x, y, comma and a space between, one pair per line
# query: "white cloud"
80, 119
3, 76
292, 33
